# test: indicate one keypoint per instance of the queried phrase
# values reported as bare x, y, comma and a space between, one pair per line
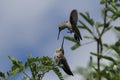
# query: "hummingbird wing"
73, 21
73, 17
65, 66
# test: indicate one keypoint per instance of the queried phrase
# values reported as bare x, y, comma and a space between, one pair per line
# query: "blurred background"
31, 27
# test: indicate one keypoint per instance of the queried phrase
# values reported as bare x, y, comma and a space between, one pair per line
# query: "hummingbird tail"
68, 71
76, 37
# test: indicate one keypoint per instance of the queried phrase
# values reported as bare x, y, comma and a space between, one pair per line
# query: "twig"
99, 41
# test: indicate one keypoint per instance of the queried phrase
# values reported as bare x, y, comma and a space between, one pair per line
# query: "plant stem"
99, 41
98, 59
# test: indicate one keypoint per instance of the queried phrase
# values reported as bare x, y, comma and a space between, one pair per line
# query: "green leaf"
2, 75
111, 10
118, 4
88, 37
70, 39
44, 68
105, 57
58, 73
117, 44
81, 27
17, 66
98, 25
15, 61
87, 18
83, 24
114, 6
102, 2
16, 71
75, 46
12, 59
106, 45
109, 28
117, 28
118, 14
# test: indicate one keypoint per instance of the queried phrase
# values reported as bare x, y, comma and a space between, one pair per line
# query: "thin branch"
105, 21
98, 59
99, 41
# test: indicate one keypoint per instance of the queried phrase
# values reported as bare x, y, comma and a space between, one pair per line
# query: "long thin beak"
62, 43
58, 34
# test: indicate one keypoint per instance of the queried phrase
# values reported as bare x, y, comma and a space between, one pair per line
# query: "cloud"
20, 29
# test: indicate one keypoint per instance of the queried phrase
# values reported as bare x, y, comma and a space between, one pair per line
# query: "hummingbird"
71, 25
61, 60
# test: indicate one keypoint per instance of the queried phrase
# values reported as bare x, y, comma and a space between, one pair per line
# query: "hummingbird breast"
68, 25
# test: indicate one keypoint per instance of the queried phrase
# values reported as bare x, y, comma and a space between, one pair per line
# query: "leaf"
15, 71
102, 2
85, 26
12, 59
98, 25
90, 64
106, 45
58, 73
109, 28
88, 37
114, 6
44, 68
15, 61
87, 18
118, 14
117, 44
17, 66
81, 27
70, 39
111, 10
118, 4
75, 46
105, 57
117, 28
2, 75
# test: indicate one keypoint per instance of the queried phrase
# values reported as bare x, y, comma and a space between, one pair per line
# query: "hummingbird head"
61, 27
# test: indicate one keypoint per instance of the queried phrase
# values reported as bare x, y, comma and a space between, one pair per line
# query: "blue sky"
31, 27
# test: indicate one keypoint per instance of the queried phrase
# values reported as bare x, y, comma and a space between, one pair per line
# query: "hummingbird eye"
59, 28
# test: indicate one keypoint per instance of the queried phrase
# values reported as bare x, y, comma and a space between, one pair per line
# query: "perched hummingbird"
71, 25
61, 60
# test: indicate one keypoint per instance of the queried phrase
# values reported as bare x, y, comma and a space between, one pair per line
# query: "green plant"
110, 13
38, 67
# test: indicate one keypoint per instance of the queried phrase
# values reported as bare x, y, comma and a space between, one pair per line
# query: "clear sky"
31, 27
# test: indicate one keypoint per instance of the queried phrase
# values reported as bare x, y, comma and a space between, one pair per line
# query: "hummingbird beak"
62, 43
58, 34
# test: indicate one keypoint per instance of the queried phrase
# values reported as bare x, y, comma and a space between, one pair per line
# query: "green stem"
98, 58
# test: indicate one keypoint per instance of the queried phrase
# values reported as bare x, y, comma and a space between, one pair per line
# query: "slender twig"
105, 20
99, 41
98, 60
